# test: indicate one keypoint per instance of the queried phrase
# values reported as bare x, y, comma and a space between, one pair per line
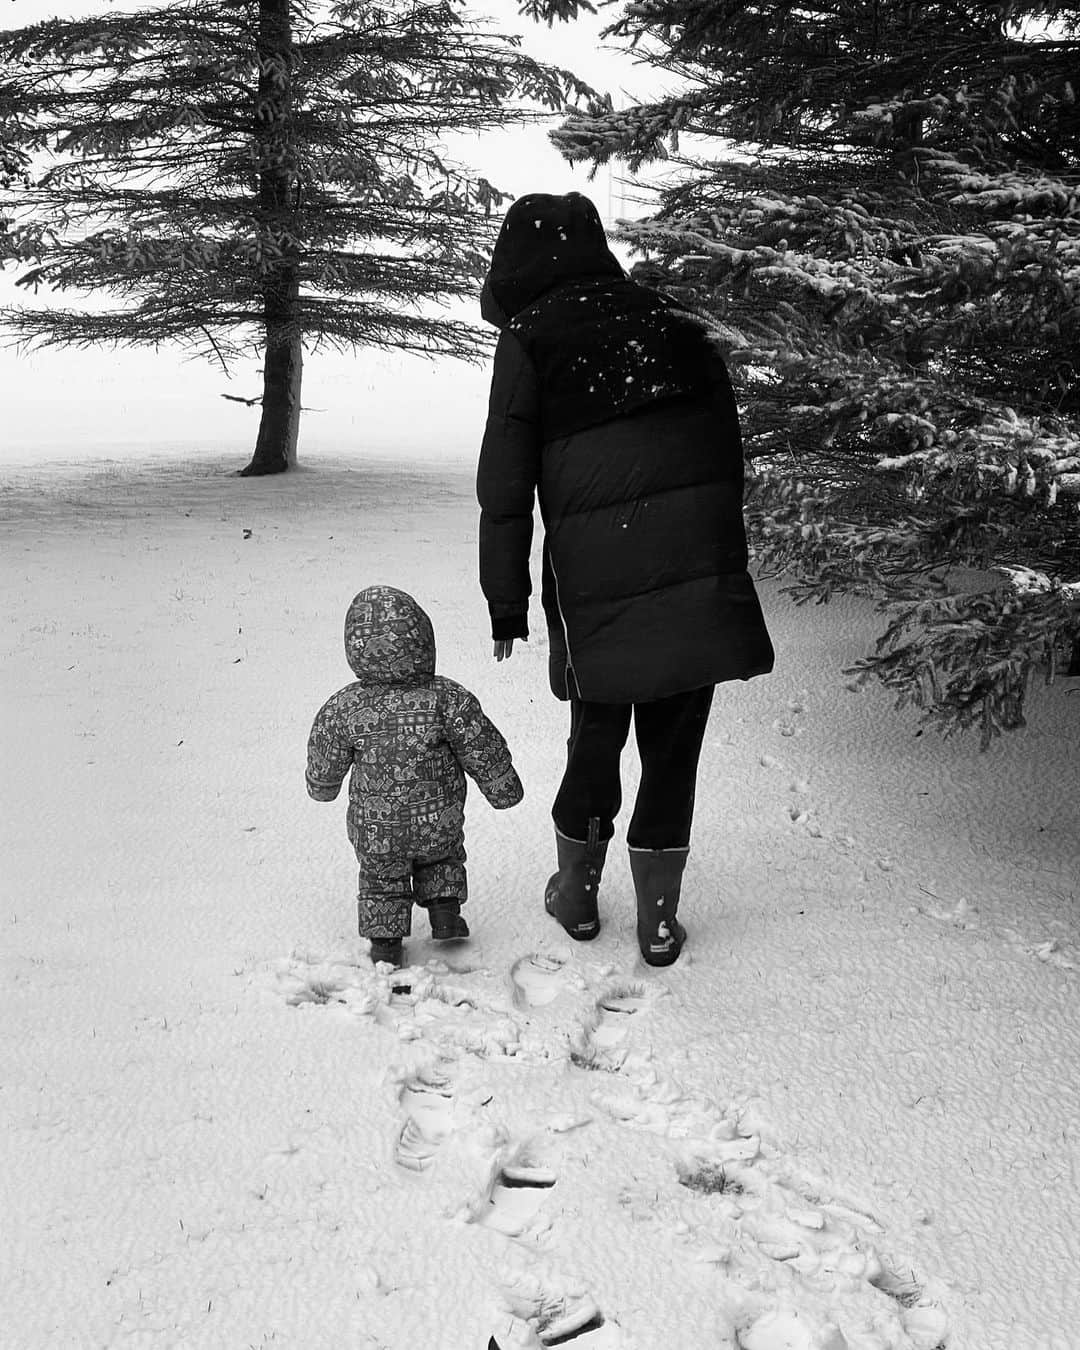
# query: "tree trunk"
279, 426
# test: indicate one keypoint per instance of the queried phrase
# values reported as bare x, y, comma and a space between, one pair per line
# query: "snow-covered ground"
847, 1117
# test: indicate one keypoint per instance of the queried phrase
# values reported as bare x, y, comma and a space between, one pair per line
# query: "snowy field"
846, 1118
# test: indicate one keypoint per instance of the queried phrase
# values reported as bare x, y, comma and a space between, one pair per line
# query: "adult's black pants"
669, 733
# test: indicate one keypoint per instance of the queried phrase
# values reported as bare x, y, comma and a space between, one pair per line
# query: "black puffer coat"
613, 406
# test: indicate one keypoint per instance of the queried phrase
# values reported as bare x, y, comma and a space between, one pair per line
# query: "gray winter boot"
570, 895
447, 925
390, 950
657, 874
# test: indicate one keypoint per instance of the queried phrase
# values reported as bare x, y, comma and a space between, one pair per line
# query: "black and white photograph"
540, 674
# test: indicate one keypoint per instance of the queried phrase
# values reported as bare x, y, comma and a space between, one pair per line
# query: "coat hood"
388, 638
545, 240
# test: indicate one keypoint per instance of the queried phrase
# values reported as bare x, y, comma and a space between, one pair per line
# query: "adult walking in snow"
611, 404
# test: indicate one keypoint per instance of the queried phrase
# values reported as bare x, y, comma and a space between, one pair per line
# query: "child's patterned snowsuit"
409, 736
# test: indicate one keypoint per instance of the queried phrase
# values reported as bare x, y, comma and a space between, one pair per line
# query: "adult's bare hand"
504, 647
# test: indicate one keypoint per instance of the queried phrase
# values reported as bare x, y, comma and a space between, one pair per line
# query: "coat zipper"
565, 630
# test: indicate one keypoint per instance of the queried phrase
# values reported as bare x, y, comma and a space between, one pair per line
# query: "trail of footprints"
427, 1101
955, 910
761, 1216
800, 809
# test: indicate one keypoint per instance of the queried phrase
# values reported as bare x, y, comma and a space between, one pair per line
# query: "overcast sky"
67, 401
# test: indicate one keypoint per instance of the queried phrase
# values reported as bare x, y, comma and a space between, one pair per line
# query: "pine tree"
267, 170
13, 160
880, 220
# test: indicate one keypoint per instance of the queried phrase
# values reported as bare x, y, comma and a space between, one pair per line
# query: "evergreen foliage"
881, 223
270, 170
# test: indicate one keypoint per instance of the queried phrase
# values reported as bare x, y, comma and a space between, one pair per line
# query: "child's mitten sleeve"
479, 746
329, 755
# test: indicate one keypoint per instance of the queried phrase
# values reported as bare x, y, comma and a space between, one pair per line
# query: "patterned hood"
388, 638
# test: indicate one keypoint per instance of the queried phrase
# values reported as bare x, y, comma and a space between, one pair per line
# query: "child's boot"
391, 950
447, 925
657, 874
375, 911
571, 893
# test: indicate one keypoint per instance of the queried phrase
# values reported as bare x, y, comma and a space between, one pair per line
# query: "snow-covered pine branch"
881, 223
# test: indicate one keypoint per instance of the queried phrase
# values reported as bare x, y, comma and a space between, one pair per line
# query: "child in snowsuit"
409, 737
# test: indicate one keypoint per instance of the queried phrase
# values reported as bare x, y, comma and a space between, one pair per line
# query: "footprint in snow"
1051, 954
788, 724
584, 1326
428, 1102
625, 1000
313, 980
792, 1328
818, 1192
599, 1045
314, 991
559, 1317
825, 1241
514, 1198
642, 1098
309, 980
594, 1334
538, 979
